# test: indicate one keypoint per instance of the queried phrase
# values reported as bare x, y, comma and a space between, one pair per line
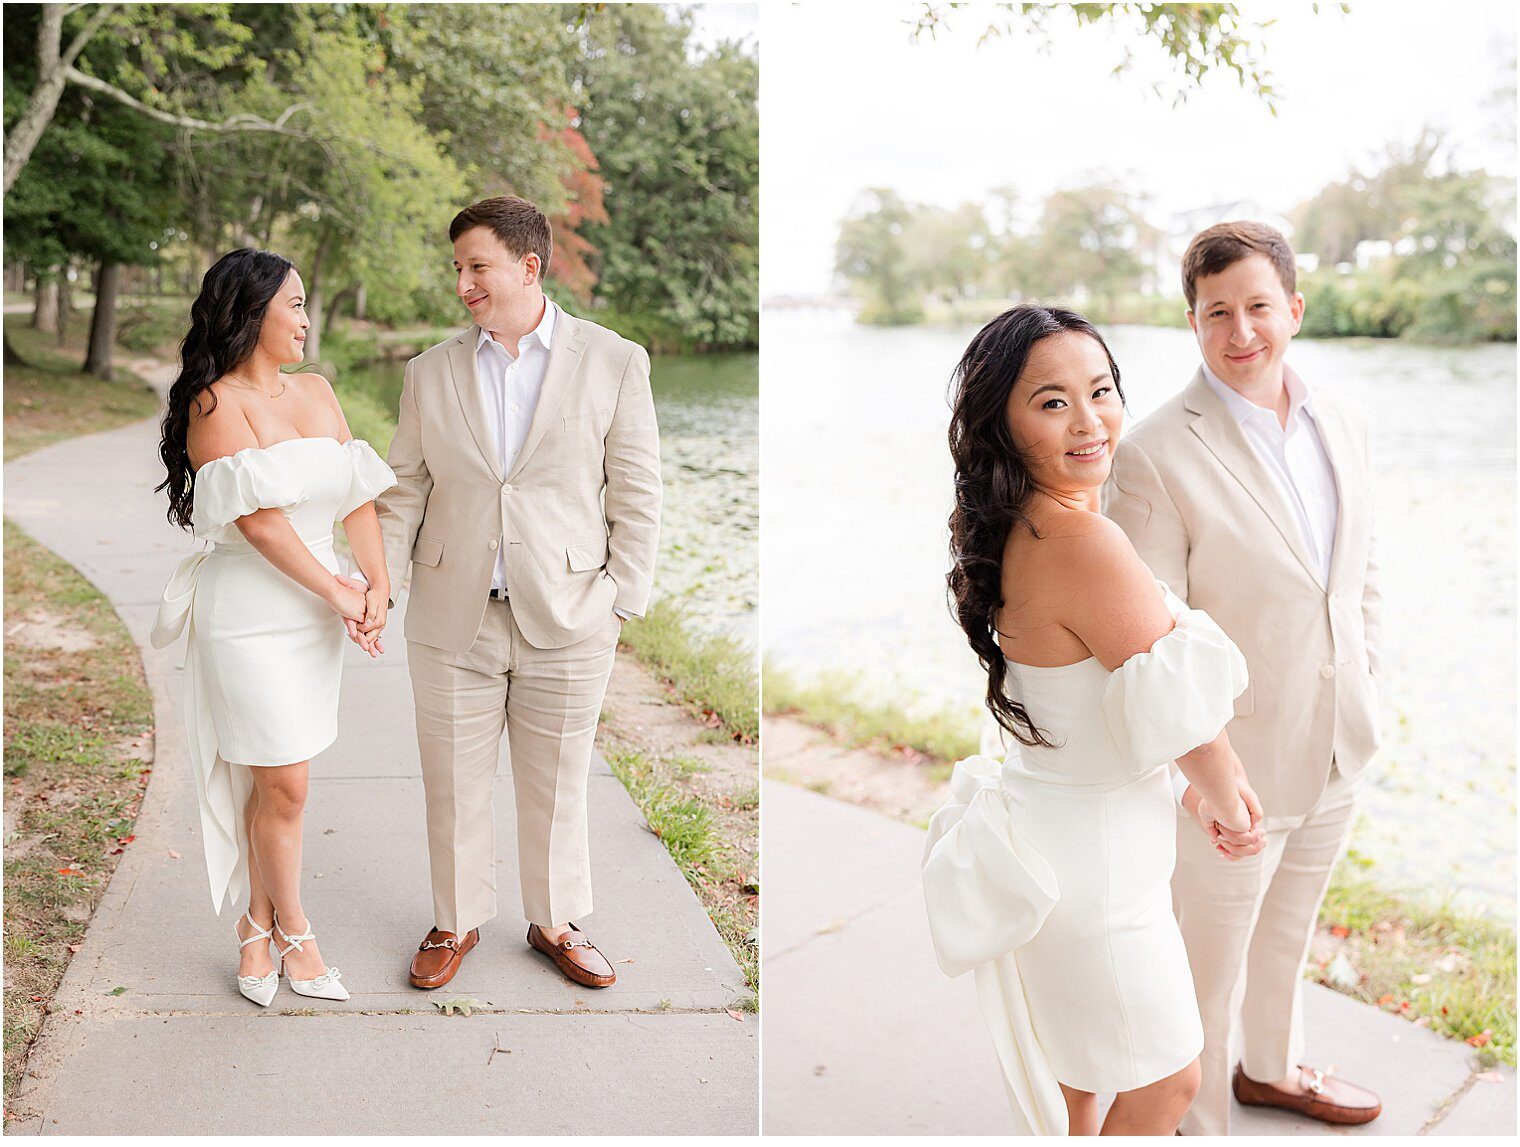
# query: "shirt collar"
1243, 408
544, 332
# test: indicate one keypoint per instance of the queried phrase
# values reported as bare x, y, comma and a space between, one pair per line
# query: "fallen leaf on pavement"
1482, 1038
116, 991
735, 1015
173, 855
1489, 1077
460, 1005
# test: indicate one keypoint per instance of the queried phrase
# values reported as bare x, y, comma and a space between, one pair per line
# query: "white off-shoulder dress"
264, 655
1049, 873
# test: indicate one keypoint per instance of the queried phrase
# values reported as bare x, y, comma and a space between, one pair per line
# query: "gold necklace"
260, 389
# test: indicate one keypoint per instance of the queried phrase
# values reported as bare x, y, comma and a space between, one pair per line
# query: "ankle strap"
259, 934
293, 941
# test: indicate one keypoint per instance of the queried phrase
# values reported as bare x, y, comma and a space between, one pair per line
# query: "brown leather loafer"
439, 957
575, 956
1325, 1098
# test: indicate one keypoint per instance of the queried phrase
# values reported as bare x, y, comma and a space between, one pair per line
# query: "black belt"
497, 595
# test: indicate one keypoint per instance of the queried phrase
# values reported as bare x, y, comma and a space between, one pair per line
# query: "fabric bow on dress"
988, 893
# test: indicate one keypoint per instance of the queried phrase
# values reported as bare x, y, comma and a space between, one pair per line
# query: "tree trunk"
45, 312
314, 301
103, 322
65, 305
361, 302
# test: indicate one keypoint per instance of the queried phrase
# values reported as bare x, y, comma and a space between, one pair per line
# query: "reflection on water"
709, 453
857, 493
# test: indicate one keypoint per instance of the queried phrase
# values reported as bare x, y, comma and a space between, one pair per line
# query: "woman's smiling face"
1065, 414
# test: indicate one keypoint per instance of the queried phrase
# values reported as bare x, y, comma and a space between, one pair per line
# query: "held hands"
365, 621
1230, 839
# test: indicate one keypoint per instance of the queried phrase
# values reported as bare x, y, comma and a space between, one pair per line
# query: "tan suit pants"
548, 702
1247, 925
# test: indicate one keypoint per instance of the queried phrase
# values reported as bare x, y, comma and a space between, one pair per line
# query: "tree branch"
77, 44
240, 122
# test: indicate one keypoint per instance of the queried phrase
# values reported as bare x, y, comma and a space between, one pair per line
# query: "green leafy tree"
1089, 242
951, 251
871, 255
675, 131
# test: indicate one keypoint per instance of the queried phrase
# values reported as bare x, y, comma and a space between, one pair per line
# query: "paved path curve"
179, 1052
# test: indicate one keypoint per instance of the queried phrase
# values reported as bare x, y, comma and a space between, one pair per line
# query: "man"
1249, 495
527, 503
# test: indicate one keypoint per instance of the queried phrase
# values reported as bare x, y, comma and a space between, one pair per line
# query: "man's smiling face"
1244, 319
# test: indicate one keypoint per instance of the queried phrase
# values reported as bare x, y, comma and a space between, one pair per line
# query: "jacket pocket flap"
590, 555
427, 552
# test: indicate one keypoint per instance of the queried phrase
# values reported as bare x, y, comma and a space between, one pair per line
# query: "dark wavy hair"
225, 321
993, 485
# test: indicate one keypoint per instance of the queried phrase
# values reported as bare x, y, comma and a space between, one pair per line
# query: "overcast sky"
717, 22
848, 101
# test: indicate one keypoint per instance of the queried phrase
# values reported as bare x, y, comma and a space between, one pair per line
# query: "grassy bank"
1434, 965
705, 829
50, 399
835, 703
78, 738
713, 675
1437, 966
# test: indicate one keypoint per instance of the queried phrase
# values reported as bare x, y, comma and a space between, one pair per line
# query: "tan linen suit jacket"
578, 513
1206, 516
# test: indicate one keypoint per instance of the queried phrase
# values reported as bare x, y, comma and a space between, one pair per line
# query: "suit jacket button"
506, 487
494, 543
1327, 671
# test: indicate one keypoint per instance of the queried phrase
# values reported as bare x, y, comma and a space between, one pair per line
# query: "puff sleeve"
1164, 703
229, 488
371, 477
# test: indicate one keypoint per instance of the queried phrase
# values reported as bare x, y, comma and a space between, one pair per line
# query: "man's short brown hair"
519, 225
1225, 244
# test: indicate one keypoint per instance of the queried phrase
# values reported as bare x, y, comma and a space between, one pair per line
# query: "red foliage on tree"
571, 266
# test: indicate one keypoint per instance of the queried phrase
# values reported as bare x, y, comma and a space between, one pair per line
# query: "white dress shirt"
509, 386
1294, 455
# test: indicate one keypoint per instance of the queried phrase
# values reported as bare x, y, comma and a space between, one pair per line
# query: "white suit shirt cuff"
1179, 785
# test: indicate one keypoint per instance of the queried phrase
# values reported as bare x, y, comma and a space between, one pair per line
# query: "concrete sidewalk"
178, 1051
864, 1034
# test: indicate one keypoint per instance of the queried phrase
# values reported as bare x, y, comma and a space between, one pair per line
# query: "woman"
1050, 875
261, 464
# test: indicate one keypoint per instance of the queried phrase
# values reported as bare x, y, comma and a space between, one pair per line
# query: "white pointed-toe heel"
323, 987
259, 989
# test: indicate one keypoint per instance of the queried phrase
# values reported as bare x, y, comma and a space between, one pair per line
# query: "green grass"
688, 826
78, 723
1447, 968
834, 704
714, 675
51, 399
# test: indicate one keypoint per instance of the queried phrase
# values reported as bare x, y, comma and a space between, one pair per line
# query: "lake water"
708, 407
857, 479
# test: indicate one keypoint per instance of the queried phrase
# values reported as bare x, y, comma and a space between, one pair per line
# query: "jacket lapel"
1338, 449
565, 355
1217, 427
461, 358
